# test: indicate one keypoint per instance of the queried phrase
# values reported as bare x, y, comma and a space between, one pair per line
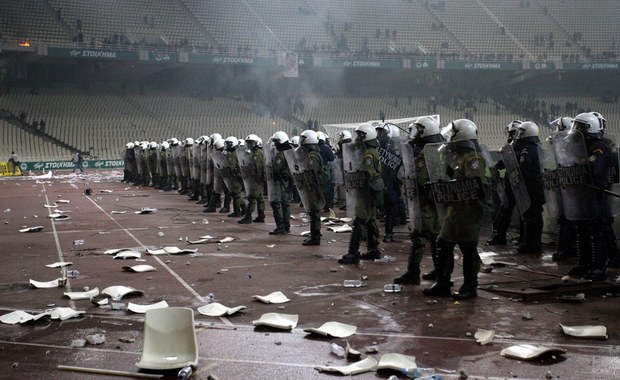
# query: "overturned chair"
169, 339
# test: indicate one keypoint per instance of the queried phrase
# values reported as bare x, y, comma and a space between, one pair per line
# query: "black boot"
443, 267
583, 256
598, 269
215, 197
260, 218
471, 267
412, 275
372, 241
286, 217
247, 219
277, 217
564, 240
353, 255
235, 214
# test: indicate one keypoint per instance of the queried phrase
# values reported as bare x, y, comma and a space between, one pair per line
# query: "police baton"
605, 191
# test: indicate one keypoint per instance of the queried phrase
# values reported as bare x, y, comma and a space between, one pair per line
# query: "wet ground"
518, 302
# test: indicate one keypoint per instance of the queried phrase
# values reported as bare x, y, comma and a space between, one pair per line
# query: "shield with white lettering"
306, 180
177, 152
270, 153
515, 178
412, 187
553, 199
573, 175
355, 180
458, 179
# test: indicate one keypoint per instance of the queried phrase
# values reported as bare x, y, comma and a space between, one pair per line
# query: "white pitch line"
173, 273
58, 248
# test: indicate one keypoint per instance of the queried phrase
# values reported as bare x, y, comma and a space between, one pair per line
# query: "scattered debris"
170, 251
146, 210
335, 329
31, 229
87, 295
217, 309
529, 351
47, 284
353, 283
139, 268
484, 337
59, 264
141, 309
365, 365
78, 343
351, 352
371, 349
64, 313
118, 212
277, 320
275, 297
392, 288
587, 331
20, 316
117, 292
577, 298
525, 315
95, 339
340, 229
128, 254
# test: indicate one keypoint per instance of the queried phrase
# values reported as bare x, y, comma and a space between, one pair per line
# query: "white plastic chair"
169, 339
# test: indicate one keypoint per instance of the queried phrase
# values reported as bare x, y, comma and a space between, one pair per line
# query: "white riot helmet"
511, 129
308, 137
394, 131
189, 141
215, 136
344, 135
321, 136
366, 132
174, 141
231, 142
562, 123
461, 129
527, 129
424, 127
218, 144
136, 143
280, 137
252, 140
164, 145
129, 145
601, 120
153, 145
587, 123
144, 145
295, 141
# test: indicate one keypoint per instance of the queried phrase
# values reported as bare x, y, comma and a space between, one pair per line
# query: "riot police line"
441, 182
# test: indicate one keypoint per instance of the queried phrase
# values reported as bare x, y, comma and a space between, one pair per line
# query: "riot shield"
515, 178
209, 152
305, 179
177, 151
573, 175
457, 176
335, 171
220, 164
204, 163
355, 181
412, 194
614, 175
553, 199
252, 178
195, 161
270, 153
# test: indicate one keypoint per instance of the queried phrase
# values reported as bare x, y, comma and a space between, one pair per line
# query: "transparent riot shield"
551, 186
204, 163
614, 175
515, 178
270, 153
209, 152
305, 179
355, 181
252, 178
177, 152
220, 164
412, 194
457, 177
573, 175
195, 163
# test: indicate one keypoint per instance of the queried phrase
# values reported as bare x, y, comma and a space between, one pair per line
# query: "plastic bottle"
392, 288
73, 273
210, 298
185, 373
353, 283
420, 373
78, 242
337, 350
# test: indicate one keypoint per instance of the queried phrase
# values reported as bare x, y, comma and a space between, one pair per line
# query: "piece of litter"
484, 337
95, 339
118, 212
275, 297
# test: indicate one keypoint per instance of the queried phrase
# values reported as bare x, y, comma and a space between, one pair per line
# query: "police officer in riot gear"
592, 246
370, 195
253, 172
529, 165
234, 184
391, 162
282, 181
502, 219
309, 141
463, 218
425, 228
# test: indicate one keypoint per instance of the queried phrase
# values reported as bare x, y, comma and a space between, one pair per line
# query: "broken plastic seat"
169, 339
